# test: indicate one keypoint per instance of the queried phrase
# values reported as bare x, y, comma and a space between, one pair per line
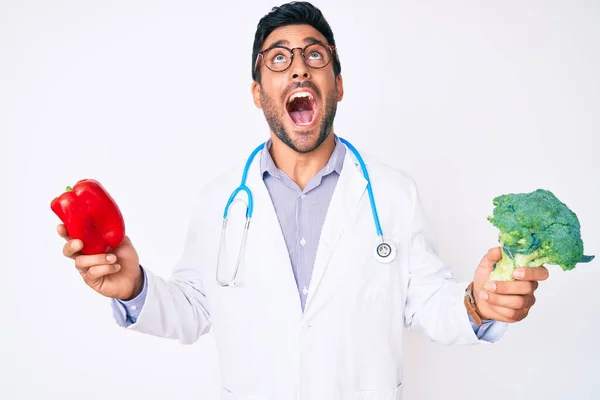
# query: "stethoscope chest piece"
385, 252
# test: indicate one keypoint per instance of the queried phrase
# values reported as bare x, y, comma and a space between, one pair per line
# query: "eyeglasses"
279, 58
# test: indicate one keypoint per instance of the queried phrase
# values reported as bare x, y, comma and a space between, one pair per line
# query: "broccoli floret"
535, 229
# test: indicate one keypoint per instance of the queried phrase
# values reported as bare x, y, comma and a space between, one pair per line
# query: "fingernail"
519, 273
483, 294
491, 286
111, 258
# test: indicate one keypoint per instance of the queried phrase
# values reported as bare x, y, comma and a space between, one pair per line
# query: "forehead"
293, 36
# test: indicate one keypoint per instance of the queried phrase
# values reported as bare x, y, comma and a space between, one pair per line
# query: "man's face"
299, 103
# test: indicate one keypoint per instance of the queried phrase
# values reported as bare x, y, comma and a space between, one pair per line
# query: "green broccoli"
535, 229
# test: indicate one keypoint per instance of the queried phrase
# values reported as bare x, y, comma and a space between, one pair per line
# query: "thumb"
126, 240
486, 266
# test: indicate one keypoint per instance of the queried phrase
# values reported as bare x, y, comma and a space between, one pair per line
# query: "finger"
83, 261
62, 231
486, 266
71, 248
531, 274
515, 302
482, 273
98, 271
509, 314
492, 257
512, 287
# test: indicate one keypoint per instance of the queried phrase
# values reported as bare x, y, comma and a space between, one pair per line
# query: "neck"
301, 167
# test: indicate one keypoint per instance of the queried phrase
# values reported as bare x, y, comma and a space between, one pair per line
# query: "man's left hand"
508, 301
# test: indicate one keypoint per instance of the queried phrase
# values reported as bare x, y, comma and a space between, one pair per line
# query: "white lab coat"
347, 344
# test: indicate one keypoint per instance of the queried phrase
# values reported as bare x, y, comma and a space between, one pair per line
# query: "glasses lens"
277, 58
317, 55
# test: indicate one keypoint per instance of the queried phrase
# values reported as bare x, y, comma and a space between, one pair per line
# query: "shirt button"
302, 242
134, 308
303, 196
305, 290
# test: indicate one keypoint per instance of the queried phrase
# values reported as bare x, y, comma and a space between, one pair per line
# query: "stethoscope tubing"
385, 252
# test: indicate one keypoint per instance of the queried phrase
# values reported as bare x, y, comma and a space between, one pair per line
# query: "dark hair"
294, 13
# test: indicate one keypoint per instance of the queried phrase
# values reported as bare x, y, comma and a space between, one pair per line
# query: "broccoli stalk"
535, 229
503, 270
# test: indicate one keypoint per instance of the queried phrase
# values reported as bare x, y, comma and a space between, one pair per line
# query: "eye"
278, 58
315, 55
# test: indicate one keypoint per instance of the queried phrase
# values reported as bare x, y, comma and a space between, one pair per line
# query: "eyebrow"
312, 40
307, 41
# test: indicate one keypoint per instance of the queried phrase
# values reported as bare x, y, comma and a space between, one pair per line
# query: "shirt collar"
335, 163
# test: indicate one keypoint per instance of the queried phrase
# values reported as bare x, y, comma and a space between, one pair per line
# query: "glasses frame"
261, 55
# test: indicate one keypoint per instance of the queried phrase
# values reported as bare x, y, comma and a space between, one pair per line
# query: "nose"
299, 69
304, 75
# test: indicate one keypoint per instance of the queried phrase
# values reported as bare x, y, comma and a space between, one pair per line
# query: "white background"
152, 98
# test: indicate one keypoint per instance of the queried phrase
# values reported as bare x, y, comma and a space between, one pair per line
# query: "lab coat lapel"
342, 211
270, 242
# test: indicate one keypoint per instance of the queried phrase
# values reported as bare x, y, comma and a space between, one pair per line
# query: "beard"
300, 140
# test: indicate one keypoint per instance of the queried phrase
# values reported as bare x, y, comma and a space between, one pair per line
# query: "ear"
340, 87
255, 88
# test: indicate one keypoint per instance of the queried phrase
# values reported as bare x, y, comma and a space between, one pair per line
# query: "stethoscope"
384, 252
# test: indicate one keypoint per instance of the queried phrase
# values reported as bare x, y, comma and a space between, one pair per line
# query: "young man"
317, 311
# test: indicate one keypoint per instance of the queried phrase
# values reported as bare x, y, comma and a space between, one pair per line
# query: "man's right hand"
116, 274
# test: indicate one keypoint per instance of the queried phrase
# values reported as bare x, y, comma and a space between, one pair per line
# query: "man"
314, 315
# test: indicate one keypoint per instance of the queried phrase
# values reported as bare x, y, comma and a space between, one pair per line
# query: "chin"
304, 140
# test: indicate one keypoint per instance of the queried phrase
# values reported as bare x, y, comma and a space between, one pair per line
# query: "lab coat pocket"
393, 394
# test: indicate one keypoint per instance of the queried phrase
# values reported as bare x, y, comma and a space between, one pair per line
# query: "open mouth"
302, 108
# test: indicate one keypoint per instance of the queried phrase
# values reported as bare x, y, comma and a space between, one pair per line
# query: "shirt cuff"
490, 330
126, 312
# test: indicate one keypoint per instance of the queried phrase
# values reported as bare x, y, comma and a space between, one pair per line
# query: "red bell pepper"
91, 215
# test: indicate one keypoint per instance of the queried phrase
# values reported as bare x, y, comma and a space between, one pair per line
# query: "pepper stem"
69, 188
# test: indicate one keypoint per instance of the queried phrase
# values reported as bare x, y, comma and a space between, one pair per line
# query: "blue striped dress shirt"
301, 213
